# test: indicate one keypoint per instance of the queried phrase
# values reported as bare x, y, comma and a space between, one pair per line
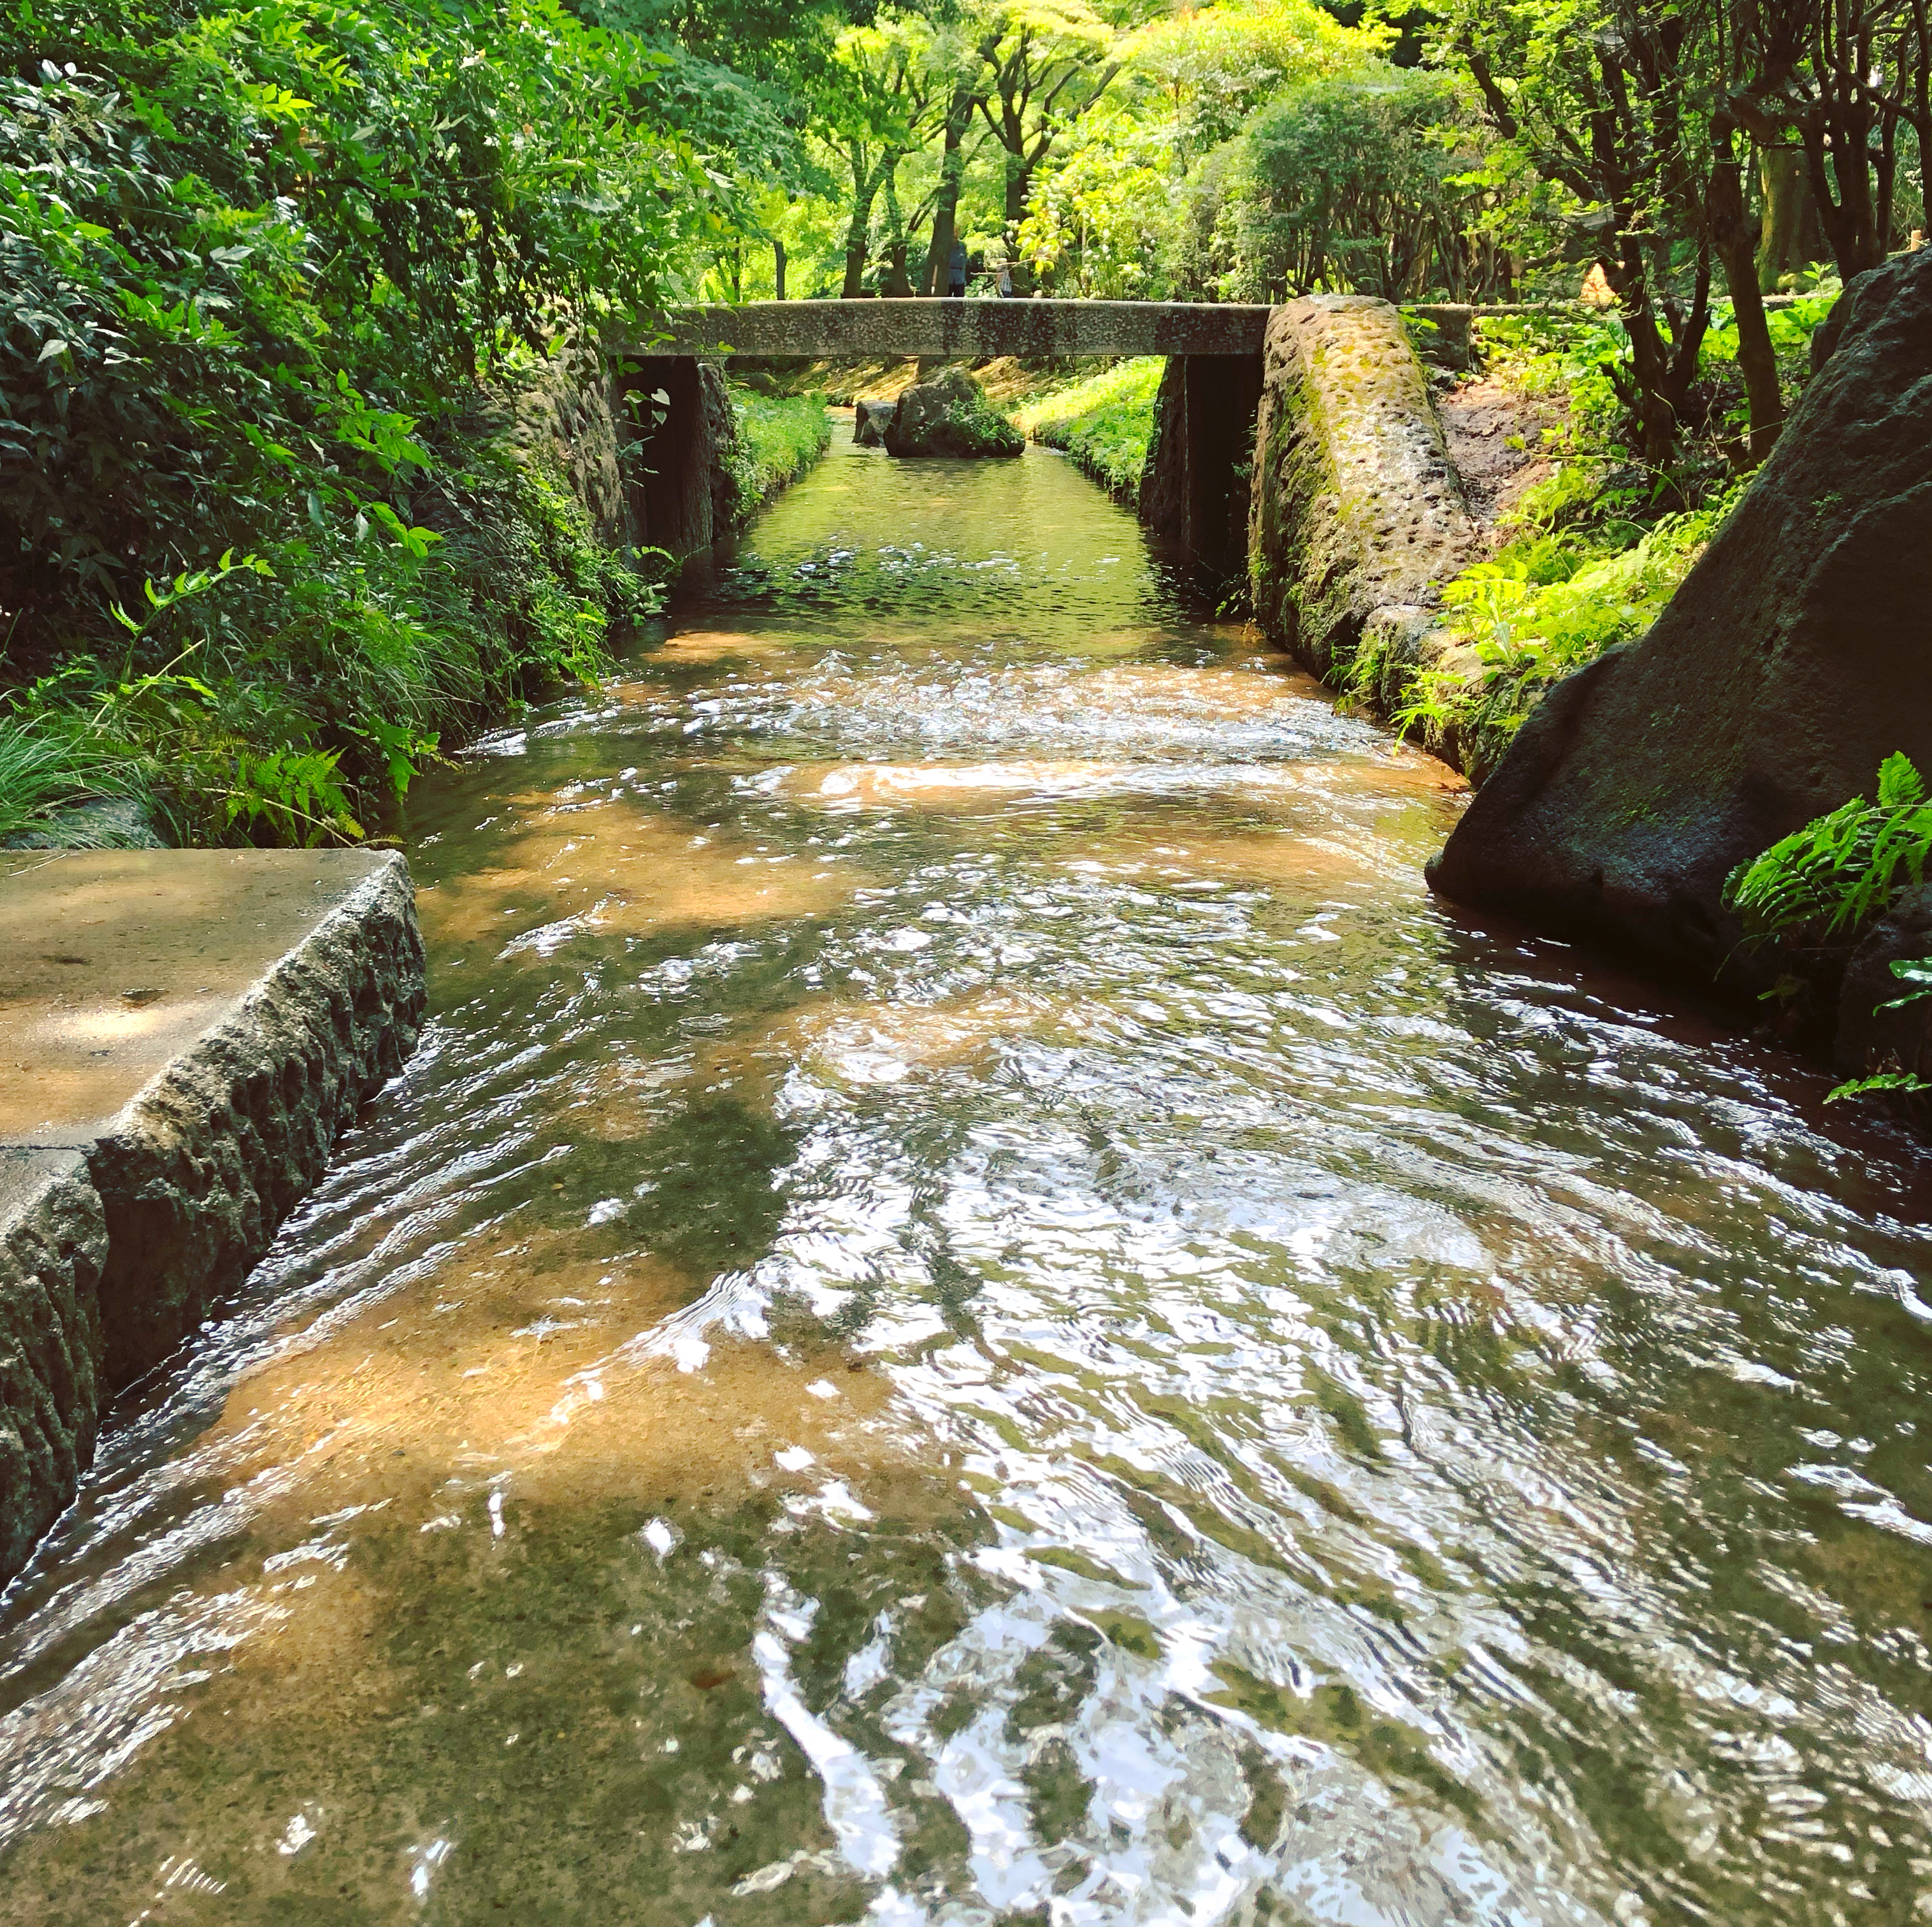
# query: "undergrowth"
1105, 423
292, 694
1816, 891
779, 437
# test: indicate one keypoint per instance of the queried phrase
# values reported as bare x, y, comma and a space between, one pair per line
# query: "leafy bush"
1348, 184
257, 269
1105, 423
1545, 604
1818, 888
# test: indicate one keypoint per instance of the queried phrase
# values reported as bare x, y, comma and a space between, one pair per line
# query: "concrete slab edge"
114, 1249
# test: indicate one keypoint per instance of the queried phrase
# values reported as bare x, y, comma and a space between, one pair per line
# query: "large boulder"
1357, 516
949, 416
1792, 661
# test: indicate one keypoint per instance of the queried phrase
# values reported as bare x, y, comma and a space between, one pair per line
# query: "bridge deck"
965, 330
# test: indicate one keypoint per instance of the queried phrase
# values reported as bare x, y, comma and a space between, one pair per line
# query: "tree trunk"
1662, 367
895, 284
1787, 213
777, 268
945, 211
858, 232
1847, 218
1731, 235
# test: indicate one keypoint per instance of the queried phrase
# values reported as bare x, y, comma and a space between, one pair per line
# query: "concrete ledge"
965, 330
186, 1033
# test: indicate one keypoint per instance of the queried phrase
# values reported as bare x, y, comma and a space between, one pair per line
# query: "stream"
977, 1309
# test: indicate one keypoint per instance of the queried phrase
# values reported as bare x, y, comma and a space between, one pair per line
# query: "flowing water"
975, 1310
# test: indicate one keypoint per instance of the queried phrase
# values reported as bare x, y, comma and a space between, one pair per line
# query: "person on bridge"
955, 269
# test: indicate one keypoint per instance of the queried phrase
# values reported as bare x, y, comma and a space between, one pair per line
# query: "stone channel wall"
115, 1245
1356, 518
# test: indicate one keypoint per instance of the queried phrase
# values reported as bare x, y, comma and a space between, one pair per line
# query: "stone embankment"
187, 1033
1357, 517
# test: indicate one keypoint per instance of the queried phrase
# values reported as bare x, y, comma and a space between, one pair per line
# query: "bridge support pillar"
1195, 490
683, 495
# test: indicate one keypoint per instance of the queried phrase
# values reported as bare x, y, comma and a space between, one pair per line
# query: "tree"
1601, 96
1349, 184
1115, 200
1049, 62
876, 108
1838, 79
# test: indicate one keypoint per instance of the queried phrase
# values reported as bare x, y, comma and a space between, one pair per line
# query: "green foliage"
1840, 870
1105, 423
1817, 889
44, 771
295, 792
263, 276
1346, 185
779, 437
980, 428
1546, 604
1903, 1082
245, 256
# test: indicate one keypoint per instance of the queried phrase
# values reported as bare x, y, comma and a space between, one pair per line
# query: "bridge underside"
959, 330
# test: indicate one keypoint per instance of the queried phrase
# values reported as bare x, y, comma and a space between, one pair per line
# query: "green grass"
1105, 423
43, 769
779, 437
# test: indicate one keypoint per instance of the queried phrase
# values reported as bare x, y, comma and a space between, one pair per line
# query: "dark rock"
106, 823
949, 416
1791, 662
1356, 507
1869, 1038
870, 418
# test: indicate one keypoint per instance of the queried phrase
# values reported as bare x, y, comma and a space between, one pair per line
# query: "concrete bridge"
1195, 492
1195, 495
959, 331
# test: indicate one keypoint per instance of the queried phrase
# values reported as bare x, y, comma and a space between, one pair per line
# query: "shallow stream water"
975, 1310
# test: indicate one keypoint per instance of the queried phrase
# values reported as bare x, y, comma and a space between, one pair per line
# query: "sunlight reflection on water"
977, 1310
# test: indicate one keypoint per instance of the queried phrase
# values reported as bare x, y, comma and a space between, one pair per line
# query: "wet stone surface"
977, 1309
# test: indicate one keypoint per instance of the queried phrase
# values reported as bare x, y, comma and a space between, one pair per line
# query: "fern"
1842, 870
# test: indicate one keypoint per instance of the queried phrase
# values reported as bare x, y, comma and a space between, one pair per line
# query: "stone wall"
644, 441
1357, 518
